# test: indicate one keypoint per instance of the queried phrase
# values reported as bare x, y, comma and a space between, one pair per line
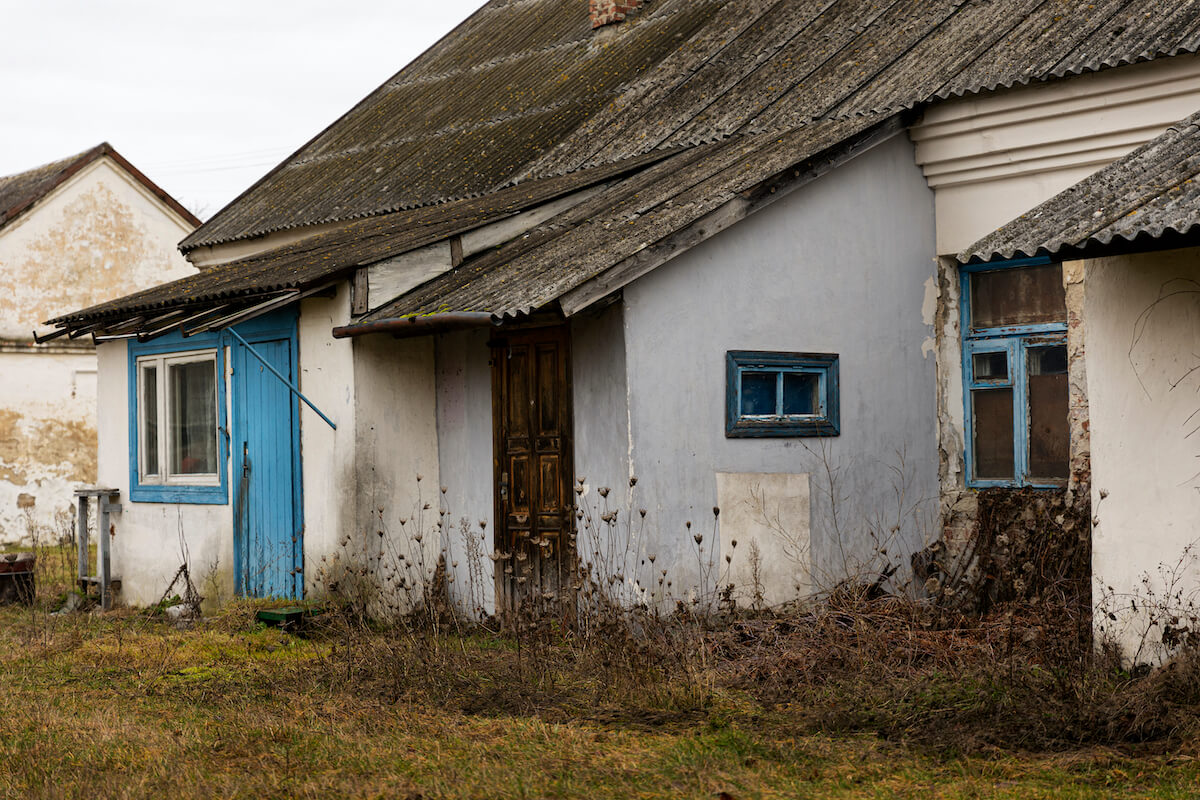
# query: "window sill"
1008, 484
745, 429
195, 495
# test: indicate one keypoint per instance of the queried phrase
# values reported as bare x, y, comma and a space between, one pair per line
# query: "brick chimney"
606, 12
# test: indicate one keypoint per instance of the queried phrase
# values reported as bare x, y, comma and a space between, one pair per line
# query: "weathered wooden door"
267, 518
531, 406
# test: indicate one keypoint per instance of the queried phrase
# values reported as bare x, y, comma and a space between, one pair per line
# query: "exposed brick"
606, 12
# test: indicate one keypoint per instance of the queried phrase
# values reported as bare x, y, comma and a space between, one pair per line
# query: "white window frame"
162, 362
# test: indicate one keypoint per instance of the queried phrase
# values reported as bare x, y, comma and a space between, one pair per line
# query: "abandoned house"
85, 229
671, 257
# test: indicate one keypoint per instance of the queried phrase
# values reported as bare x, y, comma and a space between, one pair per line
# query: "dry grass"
125, 705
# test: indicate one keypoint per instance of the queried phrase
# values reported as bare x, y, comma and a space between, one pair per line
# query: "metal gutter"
405, 327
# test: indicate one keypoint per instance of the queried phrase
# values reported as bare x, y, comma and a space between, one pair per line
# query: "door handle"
503, 485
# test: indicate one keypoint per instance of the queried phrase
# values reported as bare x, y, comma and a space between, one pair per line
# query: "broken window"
1015, 365
781, 394
175, 403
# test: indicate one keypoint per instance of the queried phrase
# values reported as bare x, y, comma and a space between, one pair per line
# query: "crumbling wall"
981, 530
1080, 481
98, 236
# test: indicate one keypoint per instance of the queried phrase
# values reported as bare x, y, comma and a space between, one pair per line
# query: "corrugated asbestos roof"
354, 244
709, 97
20, 192
1152, 191
525, 88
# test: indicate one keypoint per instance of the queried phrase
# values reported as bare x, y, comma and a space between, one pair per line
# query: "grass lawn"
125, 705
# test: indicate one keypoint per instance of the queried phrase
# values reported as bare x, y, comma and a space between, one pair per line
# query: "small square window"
781, 394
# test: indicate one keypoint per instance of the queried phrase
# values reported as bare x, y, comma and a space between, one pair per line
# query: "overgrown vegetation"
616, 685
856, 697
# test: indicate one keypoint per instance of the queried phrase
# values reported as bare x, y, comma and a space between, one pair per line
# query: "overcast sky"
203, 97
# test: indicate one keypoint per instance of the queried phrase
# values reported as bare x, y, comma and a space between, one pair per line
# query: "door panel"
268, 548
531, 399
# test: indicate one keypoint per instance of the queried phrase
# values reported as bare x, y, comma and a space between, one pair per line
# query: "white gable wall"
98, 236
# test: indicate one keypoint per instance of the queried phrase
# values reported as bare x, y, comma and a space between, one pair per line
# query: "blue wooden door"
267, 525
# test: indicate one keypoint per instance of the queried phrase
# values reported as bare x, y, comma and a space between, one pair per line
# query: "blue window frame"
781, 394
1015, 395
178, 446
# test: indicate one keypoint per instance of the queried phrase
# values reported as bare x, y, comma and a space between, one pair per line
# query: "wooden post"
81, 540
102, 569
105, 505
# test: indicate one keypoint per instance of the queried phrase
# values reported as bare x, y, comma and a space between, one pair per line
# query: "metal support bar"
277, 374
81, 538
103, 577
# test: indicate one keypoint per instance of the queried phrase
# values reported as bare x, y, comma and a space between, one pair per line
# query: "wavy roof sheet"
356, 243
524, 89
1152, 191
683, 106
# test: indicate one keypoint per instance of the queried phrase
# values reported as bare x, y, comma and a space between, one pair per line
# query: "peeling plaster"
929, 307
1077, 401
930, 302
98, 236
99, 251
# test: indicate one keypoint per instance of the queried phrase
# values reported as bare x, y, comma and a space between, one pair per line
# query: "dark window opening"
781, 394
1015, 368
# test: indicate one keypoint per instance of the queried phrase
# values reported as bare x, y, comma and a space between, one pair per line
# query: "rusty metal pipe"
403, 327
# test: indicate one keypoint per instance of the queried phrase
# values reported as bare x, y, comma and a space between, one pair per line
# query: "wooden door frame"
497, 344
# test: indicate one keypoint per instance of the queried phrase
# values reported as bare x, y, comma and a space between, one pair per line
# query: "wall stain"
33, 448
95, 252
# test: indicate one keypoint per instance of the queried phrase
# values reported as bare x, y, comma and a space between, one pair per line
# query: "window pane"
758, 393
1049, 436
990, 366
148, 410
1024, 296
193, 418
800, 393
993, 413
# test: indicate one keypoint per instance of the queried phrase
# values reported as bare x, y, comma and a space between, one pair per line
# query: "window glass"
192, 417
993, 442
1049, 436
990, 366
771, 393
759, 393
800, 393
1018, 296
148, 411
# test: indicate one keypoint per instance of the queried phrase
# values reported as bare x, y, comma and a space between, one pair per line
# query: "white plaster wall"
841, 266
464, 442
400, 532
603, 453
98, 236
151, 540
994, 156
47, 439
1142, 341
327, 371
